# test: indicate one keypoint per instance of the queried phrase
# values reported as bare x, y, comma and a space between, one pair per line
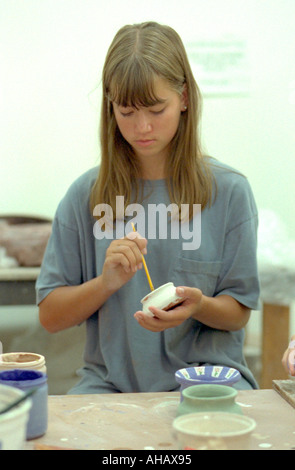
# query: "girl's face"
149, 130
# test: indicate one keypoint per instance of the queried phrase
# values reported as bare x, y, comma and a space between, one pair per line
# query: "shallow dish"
207, 375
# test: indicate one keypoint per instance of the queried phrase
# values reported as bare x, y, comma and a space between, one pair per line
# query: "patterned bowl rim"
234, 376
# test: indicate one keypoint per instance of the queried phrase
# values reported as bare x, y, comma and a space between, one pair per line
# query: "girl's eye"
126, 114
158, 112
129, 113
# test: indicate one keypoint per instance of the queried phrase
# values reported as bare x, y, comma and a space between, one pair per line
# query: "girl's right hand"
123, 259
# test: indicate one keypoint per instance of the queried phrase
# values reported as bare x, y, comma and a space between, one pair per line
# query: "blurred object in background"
23, 240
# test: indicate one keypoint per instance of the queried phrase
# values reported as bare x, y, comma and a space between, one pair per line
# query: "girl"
151, 157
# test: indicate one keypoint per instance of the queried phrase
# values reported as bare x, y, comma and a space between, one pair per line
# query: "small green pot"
209, 397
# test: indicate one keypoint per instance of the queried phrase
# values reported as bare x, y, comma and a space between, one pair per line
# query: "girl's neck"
153, 169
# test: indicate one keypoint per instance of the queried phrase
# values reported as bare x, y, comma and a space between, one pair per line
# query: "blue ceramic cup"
26, 380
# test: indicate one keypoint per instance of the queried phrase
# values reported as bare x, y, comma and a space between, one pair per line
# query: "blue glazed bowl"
219, 375
25, 380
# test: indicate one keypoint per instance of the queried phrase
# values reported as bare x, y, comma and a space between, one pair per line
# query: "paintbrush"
18, 401
145, 266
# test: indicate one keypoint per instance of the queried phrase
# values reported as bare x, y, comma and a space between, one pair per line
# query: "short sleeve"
239, 274
61, 264
69, 259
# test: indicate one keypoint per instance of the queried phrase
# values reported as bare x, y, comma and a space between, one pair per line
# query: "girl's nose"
143, 123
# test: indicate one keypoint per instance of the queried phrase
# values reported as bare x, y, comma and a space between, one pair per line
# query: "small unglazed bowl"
213, 431
164, 298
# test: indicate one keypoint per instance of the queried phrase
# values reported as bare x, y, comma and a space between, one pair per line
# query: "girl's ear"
184, 98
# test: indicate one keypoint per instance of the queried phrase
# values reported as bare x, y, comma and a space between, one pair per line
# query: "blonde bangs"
133, 84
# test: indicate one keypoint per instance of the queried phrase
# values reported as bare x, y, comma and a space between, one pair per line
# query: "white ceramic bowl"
213, 431
164, 297
13, 423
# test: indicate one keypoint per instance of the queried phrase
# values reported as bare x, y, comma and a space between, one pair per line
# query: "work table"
132, 421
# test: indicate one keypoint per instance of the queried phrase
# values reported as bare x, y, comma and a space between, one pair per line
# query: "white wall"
52, 52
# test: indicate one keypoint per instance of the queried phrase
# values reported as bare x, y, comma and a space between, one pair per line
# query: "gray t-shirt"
120, 355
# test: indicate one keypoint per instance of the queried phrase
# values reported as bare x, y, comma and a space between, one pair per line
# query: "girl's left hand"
164, 319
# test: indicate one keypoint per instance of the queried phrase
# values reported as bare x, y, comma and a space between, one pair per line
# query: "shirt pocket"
200, 274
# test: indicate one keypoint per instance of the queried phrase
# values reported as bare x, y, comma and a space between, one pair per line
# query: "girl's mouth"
145, 143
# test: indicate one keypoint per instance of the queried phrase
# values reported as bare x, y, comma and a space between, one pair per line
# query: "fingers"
291, 362
127, 252
123, 256
191, 293
288, 359
164, 319
138, 240
154, 324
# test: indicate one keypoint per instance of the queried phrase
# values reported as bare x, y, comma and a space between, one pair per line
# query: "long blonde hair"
137, 55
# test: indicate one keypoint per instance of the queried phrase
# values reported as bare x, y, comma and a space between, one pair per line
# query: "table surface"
133, 421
